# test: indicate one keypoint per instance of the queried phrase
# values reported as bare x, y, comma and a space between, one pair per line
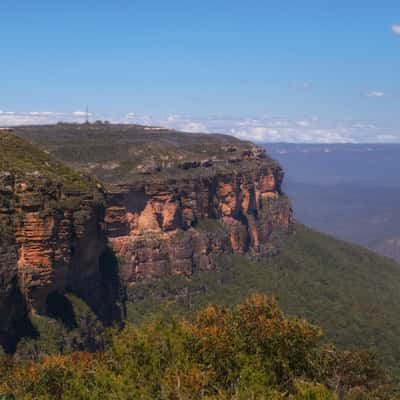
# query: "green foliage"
5, 233
51, 186
244, 353
211, 225
63, 332
352, 293
22, 158
312, 391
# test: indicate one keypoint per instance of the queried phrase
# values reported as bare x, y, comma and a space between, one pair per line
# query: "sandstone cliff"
176, 200
180, 225
52, 237
170, 204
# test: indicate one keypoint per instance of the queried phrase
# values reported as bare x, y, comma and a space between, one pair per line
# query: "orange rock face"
53, 240
58, 242
157, 229
61, 232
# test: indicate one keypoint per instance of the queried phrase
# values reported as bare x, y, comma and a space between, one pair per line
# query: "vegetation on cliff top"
249, 352
123, 153
49, 183
352, 293
28, 162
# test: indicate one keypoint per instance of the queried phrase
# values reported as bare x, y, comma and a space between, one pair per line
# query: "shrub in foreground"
248, 352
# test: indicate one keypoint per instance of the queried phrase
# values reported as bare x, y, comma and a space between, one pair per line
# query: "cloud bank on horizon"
260, 129
276, 129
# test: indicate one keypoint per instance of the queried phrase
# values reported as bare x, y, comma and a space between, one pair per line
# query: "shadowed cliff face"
12, 305
59, 245
13, 308
51, 238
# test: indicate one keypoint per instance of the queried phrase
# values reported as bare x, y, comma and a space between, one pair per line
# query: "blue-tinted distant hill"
377, 164
350, 191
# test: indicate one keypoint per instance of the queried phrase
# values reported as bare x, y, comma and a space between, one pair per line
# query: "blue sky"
265, 70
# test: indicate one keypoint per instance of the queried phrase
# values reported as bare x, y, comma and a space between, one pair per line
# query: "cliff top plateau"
27, 162
26, 166
124, 153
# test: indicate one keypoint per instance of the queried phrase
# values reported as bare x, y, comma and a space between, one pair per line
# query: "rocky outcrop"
166, 214
59, 245
52, 240
177, 226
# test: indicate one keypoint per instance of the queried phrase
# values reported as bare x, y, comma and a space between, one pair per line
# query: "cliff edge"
138, 204
175, 200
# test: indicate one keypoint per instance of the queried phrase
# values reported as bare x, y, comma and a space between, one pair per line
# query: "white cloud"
376, 94
300, 85
195, 127
43, 113
259, 128
7, 112
266, 128
80, 114
293, 135
396, 29
303, 123
173, 117
133, 118
359, 125
13, 118
130, 118
257, 134
172, 121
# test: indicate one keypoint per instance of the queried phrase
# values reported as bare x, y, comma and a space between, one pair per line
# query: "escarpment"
180, 225
169, 203
52, 239
175, 201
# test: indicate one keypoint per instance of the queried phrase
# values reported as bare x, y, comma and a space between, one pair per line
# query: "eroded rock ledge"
58, 239
179, 225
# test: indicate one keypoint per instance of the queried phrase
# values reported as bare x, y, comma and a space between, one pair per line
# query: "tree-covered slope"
248, 352
352, 293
